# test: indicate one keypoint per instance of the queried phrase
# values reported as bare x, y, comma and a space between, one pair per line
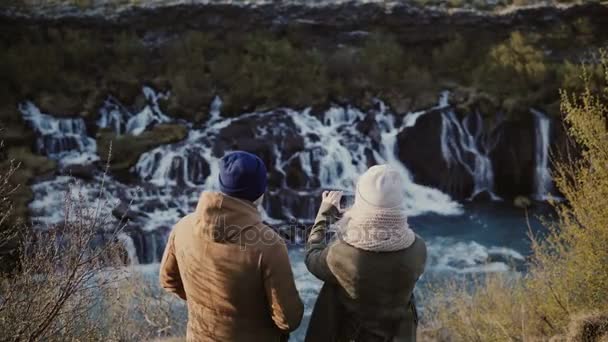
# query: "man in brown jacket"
232, 269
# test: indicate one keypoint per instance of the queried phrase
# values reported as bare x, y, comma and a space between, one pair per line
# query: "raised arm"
316, 246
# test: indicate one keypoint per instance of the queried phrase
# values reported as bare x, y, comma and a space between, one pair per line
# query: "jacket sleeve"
284, 301
316, 246
170, 278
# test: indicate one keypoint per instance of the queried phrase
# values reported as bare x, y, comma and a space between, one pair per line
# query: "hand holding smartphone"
332, 197
338, 199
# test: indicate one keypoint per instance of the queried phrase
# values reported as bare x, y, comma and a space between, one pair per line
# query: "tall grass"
563, 296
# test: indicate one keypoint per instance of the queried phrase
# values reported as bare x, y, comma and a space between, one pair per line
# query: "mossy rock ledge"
124, 150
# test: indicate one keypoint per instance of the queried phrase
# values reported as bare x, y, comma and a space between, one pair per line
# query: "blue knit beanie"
243, 175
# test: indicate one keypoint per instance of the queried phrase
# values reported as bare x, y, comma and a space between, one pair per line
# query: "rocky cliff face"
510, 148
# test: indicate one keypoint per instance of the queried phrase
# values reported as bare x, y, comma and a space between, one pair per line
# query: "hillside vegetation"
501, 70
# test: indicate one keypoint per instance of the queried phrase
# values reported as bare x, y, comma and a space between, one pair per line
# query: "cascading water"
420, 199
333, 152
306, 153
331, 147
411, 118
121, 120
542, 176
465, 143
61, 139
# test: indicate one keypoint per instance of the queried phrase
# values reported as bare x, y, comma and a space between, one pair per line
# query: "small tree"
571, 263
71, 283
515, 65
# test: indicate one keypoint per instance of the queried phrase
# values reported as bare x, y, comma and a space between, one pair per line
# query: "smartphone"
347, 200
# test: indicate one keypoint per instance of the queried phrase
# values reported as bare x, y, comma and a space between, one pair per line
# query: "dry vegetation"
68, 282
563, 295
484, 5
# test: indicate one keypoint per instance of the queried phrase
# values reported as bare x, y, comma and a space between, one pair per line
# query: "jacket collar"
222, 218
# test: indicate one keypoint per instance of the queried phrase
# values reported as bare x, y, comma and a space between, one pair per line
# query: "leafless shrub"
8, 230
138, 310
57, 282
72, 283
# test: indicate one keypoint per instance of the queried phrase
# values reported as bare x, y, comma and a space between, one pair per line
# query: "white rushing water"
465, 143
420, 199
62, 139
542, 175
334, 152
121, 120
330, 152
451, 255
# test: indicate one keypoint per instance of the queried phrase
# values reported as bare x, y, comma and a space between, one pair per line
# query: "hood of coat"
222, 218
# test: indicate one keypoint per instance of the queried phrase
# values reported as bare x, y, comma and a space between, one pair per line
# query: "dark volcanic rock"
420, 150
369, 128
124, 213
287, 205
280, 14
198, 169
85, 172
296, 178
264, 135
513, 158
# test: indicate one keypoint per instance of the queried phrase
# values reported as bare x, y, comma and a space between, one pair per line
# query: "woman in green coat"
369, 268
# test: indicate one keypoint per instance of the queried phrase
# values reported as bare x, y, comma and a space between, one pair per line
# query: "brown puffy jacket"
234, 273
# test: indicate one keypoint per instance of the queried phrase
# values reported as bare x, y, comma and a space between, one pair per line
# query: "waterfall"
465, 143
180, 164
332, 146
420, 199
321, 150
113, 115
411, 118
121, 120
129, 245
334, 153
61, 139
542, 176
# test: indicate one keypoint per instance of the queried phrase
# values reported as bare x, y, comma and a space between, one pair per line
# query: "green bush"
574, 80
515, 65
262, 69
383, 61
450, 58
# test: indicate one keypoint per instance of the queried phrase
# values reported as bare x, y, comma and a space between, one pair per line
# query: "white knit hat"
377, 220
